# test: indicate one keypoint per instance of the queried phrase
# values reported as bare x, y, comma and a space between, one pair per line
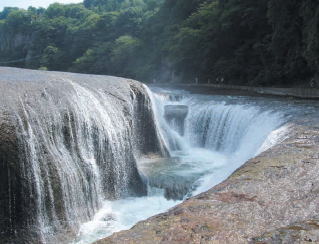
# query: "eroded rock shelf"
273, 198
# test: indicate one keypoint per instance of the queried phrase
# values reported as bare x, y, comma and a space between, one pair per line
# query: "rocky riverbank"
273, 198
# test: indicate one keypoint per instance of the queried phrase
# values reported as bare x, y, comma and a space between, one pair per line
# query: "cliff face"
67, 141
273, 198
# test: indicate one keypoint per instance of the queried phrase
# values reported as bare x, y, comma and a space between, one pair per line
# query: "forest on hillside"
246, 42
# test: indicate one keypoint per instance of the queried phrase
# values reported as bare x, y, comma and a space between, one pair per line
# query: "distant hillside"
247, 42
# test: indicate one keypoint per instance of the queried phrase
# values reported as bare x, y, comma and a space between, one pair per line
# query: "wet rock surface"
56, 131
273, 198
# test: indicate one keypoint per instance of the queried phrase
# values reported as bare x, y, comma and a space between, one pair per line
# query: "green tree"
265, 42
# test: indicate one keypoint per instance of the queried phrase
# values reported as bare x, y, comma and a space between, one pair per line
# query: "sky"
35, 3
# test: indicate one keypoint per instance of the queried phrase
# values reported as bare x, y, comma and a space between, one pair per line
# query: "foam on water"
121, 215
219, 135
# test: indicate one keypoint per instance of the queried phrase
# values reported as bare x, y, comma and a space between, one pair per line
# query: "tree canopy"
265, 42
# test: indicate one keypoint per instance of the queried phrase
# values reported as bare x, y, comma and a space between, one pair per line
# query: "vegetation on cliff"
266, 42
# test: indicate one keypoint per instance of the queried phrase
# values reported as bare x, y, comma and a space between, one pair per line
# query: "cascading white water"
82, 148
207, 138
219, 135
78, 151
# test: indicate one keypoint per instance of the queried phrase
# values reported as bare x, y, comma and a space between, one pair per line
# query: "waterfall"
77, 147
230, 129
81, 152
212, 136
207, 138
69, 150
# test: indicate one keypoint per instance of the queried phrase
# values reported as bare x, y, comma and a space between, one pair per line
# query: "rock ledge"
273, 198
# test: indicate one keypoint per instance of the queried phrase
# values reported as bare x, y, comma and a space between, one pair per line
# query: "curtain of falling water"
77, 152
